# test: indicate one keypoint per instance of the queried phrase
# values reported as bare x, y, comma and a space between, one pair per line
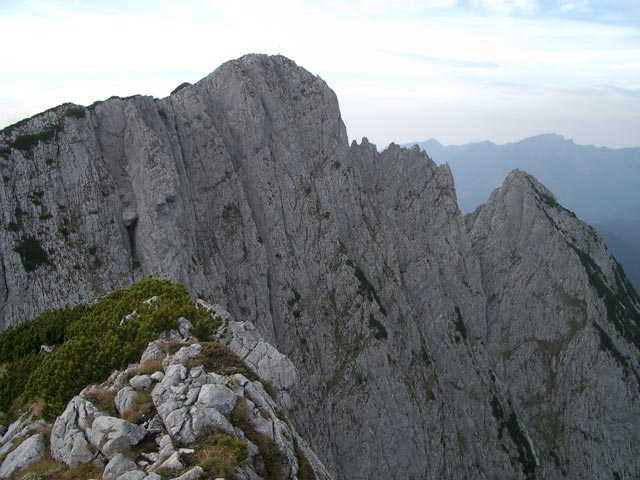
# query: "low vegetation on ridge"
89, 342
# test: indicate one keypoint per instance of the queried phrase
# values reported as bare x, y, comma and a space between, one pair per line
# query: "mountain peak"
356, 265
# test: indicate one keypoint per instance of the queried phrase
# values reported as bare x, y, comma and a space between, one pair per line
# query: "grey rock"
264, 359
124, 400
23, 426
185, 353
356, 265
193, 474
172, 463
118, 466
154, 426
539, 263
185, 327
27, 453
6, 448
113, 435
218, 397
69, 434
153, 352
174, 397
133, 475
141, 382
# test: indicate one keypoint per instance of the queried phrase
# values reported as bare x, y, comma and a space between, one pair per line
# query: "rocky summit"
190, 408
426, 344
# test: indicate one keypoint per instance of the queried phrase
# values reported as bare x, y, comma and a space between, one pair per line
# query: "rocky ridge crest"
481, 347
172, 416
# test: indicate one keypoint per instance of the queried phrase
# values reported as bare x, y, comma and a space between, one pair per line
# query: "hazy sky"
456, 70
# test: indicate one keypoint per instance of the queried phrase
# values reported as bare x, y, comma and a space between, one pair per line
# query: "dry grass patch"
147, 368
268, 386
43, 470
218, 454
305, 470
143, 408
147, 445
219, 358
82, 472
103, 398
272, 458
35, 407
172, 346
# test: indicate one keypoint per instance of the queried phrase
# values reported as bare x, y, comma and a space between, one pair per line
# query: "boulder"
185, 327
194, 474
69, 443
27, 453
124, 400
172, 463
141, 382
153, 352
217, 396
113, 435
117, 466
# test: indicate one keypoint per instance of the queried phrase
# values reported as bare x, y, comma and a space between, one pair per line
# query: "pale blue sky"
456, 70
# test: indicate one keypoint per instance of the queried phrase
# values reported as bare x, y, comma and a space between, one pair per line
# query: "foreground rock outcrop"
424, 344
172, 416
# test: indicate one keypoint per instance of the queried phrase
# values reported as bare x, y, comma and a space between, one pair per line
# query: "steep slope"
190, 408
356, 264
623, 239
598, 183
243, 187
564, 331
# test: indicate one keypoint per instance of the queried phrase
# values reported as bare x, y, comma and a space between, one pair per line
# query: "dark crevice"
5, 284
131, 233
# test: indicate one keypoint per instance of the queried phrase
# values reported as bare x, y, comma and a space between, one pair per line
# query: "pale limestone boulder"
118, 466
70, 431
124, 400
27, 453
113, 435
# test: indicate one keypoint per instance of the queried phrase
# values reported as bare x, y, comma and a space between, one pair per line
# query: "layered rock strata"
415, 332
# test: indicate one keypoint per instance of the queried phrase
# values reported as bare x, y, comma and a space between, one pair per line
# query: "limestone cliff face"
417, 334
563, 331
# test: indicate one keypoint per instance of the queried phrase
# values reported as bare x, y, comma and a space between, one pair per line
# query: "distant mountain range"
601, 185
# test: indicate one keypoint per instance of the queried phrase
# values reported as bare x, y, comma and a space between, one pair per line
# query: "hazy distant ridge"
601, 185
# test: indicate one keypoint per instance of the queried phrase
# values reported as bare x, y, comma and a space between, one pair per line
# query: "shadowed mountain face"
600, 185
429, 345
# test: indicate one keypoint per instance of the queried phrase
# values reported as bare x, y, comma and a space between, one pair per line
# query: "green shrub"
460, 326
31, 253
28, 141
12, 382
180, 87
47, 329
205, 326
92, 341
379, 332
219, 358
218, 453
75, 112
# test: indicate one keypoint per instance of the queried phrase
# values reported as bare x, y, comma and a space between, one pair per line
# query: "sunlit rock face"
427, 345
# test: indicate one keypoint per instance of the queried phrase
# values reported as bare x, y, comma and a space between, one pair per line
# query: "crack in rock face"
355, 264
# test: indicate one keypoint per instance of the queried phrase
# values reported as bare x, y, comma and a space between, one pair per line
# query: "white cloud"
507, 7
387, 7
400, 58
